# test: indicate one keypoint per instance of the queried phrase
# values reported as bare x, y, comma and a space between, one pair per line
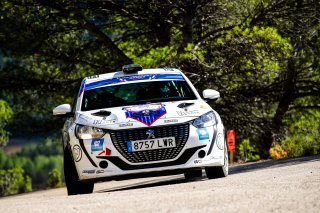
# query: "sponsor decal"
93, 76
138, 77
88, 171
77, 153
220, 141
125, 124
97, 145
105, 82
99, 171
103, 121
187, 113
202, 106
197, 161
170, 121
146, 114
107, 152
203, 134
84, 118
216, 157
211, 158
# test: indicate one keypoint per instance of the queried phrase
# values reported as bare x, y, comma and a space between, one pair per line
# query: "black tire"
219, 171
74, 186
193, 174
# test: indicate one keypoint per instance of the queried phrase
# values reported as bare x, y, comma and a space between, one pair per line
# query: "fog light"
103, 164
201, 154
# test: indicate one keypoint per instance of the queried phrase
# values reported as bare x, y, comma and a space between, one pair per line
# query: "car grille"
121, 137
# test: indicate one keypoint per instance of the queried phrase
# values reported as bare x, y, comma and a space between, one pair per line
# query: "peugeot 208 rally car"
140, 122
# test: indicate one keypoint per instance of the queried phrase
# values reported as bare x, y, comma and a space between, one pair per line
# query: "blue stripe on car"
82, 87
106, 82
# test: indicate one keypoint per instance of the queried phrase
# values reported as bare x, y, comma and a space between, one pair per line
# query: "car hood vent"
102, 113
184, 105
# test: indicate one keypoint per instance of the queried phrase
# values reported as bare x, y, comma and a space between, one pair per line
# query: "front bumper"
201, 149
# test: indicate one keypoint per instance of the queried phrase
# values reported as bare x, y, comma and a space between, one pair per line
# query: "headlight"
88, 132
205, 120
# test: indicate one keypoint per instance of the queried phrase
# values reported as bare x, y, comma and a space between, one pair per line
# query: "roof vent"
131, 68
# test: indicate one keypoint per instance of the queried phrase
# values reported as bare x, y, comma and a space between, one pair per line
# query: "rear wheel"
193, 174
74, 186
219, 171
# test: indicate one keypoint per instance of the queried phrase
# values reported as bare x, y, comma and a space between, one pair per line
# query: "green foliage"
262, 55
158, 57
302, 135
37, 160
5, 116
13, 181
248, 152
161, 56
54, 180
246, 66
49, 147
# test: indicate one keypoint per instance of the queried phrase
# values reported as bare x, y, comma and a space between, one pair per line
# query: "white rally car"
137, 123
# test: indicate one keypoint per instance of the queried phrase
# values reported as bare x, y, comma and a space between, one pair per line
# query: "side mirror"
210, 94
64, 110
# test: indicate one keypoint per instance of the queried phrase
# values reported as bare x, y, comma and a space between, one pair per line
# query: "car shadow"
166, 180
248, 167
234, 169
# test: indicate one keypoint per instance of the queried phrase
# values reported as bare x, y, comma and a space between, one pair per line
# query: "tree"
5, 116
294, 67
262, 55
298, 20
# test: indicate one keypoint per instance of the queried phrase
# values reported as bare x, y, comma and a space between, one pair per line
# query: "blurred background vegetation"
261, 55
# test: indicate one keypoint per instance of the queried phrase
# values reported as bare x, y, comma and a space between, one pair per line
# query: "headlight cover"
88, 132
205, 120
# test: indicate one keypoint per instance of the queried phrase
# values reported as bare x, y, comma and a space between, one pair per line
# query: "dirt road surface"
290, 185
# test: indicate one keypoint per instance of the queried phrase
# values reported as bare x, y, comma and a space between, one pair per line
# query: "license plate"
151, 144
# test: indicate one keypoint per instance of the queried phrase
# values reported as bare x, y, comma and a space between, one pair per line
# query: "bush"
248, 152
302, 135
5, 116
13, 181
54, 180
37, 160
277, 152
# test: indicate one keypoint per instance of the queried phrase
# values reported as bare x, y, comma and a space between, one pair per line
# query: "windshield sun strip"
124, 79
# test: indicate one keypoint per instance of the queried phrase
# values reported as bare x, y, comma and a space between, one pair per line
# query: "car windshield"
136, 93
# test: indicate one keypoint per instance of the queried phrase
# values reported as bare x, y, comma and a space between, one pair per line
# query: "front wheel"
74, 186
219, 171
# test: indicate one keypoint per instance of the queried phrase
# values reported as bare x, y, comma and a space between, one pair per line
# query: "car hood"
147, 115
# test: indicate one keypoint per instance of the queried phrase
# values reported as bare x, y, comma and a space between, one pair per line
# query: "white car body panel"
89, 153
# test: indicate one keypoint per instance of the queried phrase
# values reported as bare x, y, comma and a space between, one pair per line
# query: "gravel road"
290, 185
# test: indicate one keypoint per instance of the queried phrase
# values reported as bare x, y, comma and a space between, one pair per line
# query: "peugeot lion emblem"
150, 134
